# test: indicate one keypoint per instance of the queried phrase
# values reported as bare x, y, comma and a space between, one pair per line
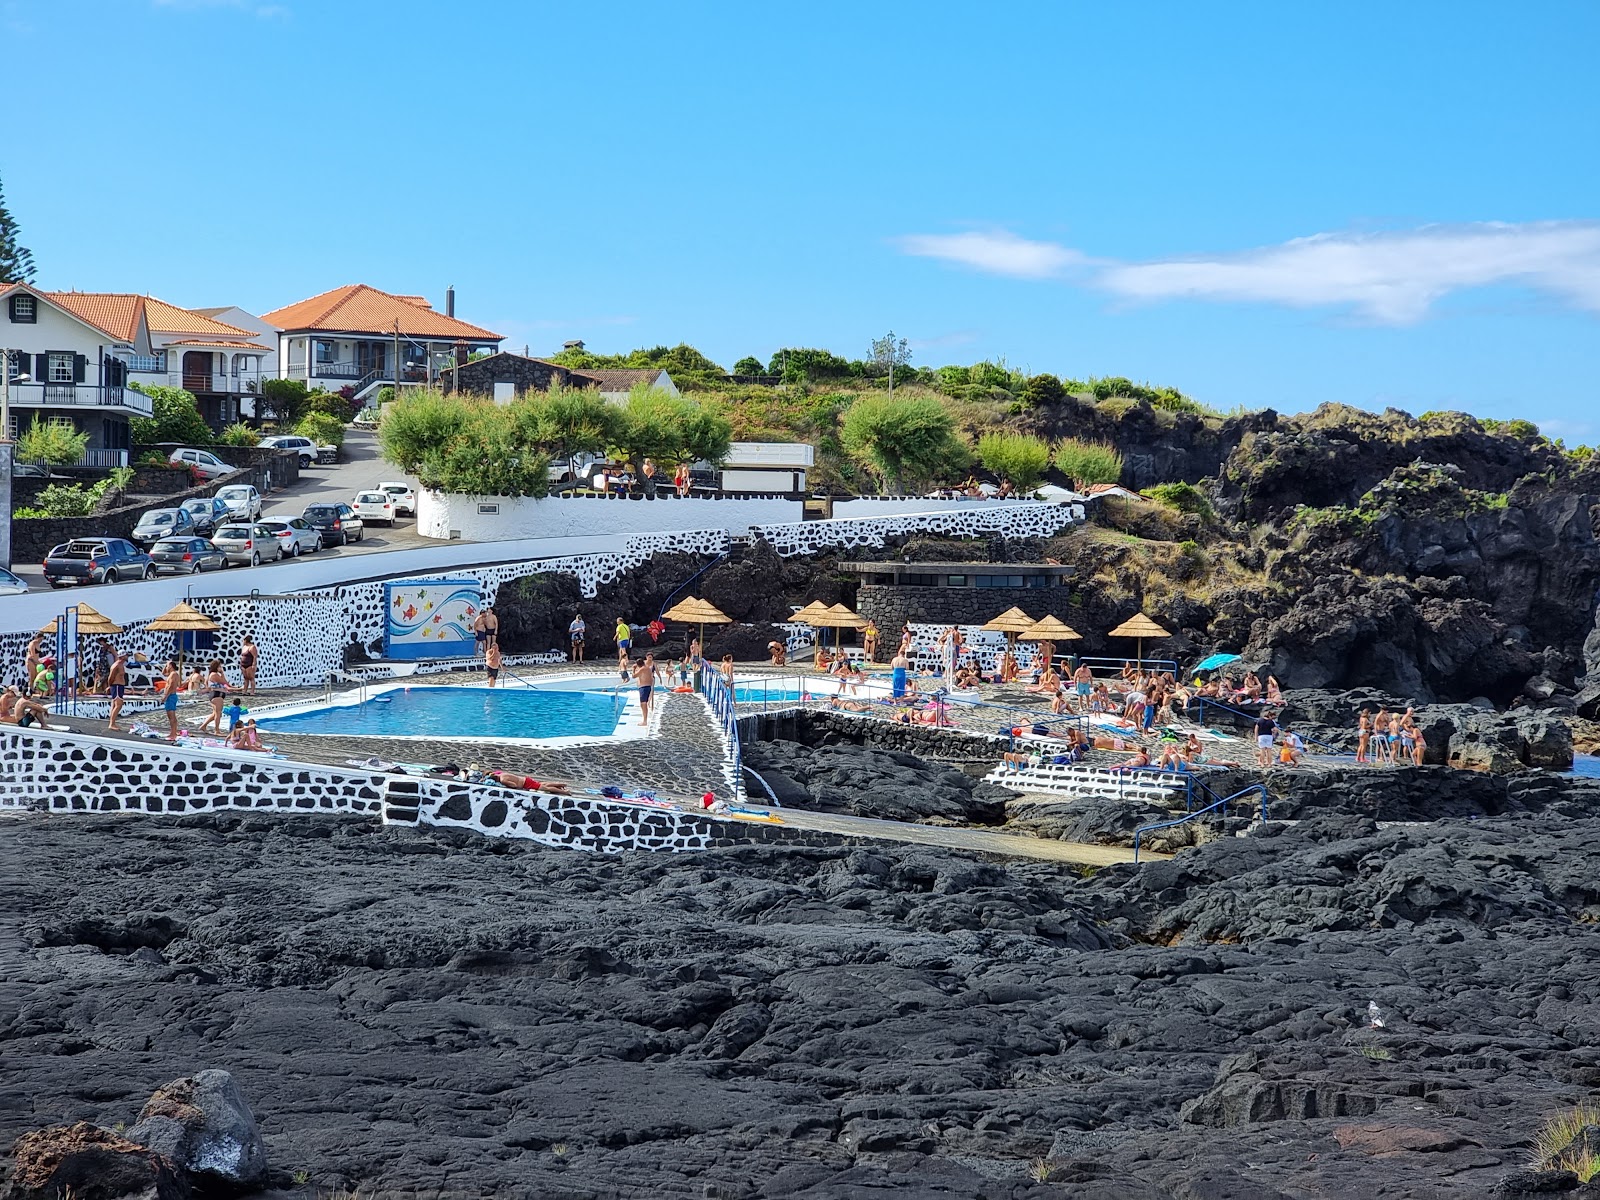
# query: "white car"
206, 463
11, 585
243, 501
306, 448
405, 499
374, 506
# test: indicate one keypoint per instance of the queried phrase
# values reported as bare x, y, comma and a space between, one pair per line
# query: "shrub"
321, 428
51, 444
1088, 462
68, 500
1515, 428
1561, 1145
175, 418
1042, 391
239, 434
905, 439
421, 422
1015, 456
385, 395
282, 401
1184, 497
339, 407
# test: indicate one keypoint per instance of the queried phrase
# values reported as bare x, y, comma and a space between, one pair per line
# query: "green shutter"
79, 366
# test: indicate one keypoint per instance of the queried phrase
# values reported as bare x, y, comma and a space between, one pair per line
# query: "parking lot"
361, 467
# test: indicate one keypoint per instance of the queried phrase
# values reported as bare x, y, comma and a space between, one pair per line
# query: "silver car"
295, 535
243, 501
248, 545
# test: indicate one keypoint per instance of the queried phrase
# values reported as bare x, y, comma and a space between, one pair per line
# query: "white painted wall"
587, 517
53, 331
888, 506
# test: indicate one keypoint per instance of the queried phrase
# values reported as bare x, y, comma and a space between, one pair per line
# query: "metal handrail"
1138, 834
719, 696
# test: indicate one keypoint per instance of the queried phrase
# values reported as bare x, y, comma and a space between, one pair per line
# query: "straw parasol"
837, 617
1141, 627
1050, 630
91, 623
183, 618
694, 611
1011, 622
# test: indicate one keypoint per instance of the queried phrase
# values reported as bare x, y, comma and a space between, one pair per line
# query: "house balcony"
79, 395
225, 383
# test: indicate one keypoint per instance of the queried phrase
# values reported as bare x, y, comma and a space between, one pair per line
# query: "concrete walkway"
981, 840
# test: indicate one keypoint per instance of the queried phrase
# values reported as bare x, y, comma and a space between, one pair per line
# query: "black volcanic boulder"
203, 1124
887, 784
86, 1162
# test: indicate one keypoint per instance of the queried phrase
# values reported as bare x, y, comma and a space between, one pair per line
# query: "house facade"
220, 364
360, 338
68, 365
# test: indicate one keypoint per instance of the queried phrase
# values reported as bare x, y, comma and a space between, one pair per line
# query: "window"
60, 368
13, 363
956, 581
488, 509
326, 352
24, 309
1041, 581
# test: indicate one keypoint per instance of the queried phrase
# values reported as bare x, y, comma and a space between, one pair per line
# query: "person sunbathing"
1274, 692
1048, 681
839, 702
1172, 758
1140, 759
1008, 668
17, 709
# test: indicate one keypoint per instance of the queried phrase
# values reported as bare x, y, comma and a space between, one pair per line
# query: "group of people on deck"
1390, 737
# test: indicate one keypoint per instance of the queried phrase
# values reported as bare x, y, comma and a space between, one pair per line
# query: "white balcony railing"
242, 383
78, 395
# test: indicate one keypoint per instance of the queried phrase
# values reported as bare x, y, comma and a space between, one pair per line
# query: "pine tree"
16, 260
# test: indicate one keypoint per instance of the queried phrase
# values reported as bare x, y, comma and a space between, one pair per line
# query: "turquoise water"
756, 694
453, 712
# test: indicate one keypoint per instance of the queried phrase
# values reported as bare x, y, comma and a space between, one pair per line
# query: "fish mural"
431, 620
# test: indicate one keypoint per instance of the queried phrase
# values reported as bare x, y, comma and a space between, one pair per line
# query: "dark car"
96, 560
186, 556
161, 523
207, 512
337, 523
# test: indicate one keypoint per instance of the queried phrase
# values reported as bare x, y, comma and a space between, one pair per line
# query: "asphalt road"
361, 467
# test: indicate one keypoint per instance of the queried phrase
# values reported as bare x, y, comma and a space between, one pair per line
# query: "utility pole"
7, 454
397, 358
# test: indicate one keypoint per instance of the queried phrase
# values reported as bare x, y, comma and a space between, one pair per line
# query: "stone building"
507, 376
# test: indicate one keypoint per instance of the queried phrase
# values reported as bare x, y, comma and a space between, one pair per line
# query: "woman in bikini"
217, 694
1363, 736
248, 657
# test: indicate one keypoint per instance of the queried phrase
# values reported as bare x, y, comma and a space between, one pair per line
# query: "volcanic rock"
203, 1124
85, 1162
887, 784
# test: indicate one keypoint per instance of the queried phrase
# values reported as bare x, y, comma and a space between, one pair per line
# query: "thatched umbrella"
694, 611
836, 617
1011, 622
1141, 627
91, 623
1049, 630
183, 618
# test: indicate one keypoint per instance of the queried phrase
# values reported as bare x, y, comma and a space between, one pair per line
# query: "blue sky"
1262, 204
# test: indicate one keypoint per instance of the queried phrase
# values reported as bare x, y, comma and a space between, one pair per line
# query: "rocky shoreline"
424, 1013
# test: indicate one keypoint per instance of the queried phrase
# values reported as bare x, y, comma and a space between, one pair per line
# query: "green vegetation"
73, 499
672, 429
322, 428
50, 444
906, 440
1111, 387
239, 434
174, 418
571, 421
1015, 456
1515, 428
1088, 462
1560, 1143
1184, 497
16, 260
282, 401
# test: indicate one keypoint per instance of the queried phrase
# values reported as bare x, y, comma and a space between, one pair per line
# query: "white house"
358, 337
221, 363
66, 361
616, 382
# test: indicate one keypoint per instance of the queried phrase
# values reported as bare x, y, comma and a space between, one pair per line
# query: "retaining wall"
500, 518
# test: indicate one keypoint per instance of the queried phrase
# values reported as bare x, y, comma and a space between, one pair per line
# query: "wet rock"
203, 1124
888, 784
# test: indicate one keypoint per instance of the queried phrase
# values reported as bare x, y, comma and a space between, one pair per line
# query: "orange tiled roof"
169, 318
221, 343
115, 314
357, 308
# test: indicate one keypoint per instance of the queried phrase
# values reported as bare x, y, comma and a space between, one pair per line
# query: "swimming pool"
461, 713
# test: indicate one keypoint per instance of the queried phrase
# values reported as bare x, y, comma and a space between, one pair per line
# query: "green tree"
1015, 456
570, 421
321, 428
749, 365
1043, 391
488, 456
239, 434
282, 401
419, 423
800, 365
51, 445
656, 424
1088, 462
913, 439
174, 418
890, 354
16, 260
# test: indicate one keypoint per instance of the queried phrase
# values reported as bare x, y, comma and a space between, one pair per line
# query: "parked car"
405, 498
206, 463
32, 470
374, 506
295, 535
288, 441
242, 499
186, 556
337, 523
11, 585
96, 560
248, 545
207, 512
161, 523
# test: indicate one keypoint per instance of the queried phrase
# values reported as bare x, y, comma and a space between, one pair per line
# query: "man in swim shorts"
492, 661
171, 689
644, 678
117, 685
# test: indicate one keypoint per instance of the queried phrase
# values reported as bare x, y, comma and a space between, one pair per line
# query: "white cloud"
996, 252
1393, 278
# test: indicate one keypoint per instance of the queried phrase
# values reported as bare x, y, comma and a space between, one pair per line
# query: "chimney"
450, 301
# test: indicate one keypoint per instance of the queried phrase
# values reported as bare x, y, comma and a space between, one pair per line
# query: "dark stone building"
959, 593
491, 376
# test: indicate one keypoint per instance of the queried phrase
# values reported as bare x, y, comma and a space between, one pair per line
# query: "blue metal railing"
720, 698
1138, 834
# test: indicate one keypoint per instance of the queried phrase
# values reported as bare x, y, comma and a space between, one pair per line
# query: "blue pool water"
1586, 765
454, 712
755, 693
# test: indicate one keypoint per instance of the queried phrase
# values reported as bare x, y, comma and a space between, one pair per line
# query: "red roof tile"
357, 308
